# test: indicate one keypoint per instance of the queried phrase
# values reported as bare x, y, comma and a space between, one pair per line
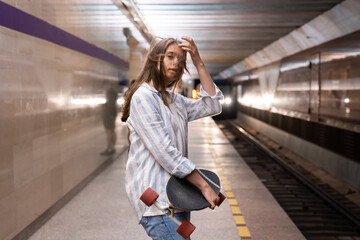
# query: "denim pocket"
144, 221
163, 228
155, 227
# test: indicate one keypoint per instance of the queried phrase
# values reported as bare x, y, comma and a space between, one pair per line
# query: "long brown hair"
150, 71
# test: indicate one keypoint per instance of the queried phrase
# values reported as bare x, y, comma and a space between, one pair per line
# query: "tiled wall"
51, 131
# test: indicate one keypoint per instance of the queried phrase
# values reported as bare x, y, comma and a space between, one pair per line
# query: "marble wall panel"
56, 181
8, 39
8, 219
50, 132
32, 200
23, 163
6, 171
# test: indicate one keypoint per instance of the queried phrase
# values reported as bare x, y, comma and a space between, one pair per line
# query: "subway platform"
102, 211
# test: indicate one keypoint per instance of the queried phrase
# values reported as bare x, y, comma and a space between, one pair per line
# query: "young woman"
157, 118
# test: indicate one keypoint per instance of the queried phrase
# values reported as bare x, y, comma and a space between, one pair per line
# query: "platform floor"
102, 211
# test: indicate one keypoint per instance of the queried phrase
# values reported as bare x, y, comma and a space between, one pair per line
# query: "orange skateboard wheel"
185, 229
149, 196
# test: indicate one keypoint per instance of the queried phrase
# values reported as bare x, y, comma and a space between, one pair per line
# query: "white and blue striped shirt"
158, 141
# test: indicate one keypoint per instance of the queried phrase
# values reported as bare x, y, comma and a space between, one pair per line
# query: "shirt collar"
149, 87
152, 89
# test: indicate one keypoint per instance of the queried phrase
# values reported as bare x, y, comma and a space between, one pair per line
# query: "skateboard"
182, 195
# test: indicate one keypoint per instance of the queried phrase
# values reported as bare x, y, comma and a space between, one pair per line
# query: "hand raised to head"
191, 47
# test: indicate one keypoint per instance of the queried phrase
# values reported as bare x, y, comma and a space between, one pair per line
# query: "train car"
321, 84
229, 104
314, 94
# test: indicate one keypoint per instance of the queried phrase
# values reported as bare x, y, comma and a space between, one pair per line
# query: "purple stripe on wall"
18, 20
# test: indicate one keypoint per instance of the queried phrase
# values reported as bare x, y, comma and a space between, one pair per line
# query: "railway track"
317, 210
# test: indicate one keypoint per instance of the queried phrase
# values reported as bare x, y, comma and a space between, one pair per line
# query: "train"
314, 95
321, 84
229, 103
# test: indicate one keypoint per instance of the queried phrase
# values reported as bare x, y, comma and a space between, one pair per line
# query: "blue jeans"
162, 227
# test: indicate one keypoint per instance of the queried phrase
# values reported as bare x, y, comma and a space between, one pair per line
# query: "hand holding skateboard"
182, 195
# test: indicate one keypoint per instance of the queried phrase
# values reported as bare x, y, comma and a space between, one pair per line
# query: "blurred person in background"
109, 113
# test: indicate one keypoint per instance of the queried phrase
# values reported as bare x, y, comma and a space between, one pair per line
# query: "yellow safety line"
243, 230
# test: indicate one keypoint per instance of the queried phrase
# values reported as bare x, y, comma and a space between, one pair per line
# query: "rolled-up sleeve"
149, 125
205, 106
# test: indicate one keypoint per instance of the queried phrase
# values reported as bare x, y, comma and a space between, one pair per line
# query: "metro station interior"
289, 71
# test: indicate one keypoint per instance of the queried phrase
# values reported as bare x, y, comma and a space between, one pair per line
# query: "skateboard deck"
182, 195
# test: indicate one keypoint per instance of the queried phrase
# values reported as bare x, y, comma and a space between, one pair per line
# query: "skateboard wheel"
149, 196
222, 198
185, 229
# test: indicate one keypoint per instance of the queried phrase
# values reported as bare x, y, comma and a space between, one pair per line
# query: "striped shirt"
158, 141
